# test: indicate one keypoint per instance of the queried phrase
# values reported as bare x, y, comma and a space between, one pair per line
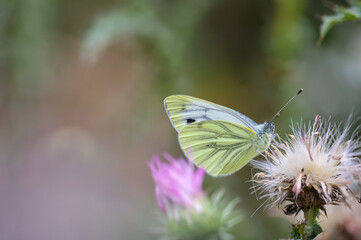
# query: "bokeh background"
82, 85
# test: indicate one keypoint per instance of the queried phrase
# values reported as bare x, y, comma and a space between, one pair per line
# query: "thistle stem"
311, 216
310, 228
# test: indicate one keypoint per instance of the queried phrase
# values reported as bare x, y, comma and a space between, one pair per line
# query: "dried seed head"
311, 168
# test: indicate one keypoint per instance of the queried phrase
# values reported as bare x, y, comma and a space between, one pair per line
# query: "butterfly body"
265, 135
217, 138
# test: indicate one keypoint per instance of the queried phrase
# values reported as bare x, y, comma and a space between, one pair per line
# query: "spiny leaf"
215, 222
342, 14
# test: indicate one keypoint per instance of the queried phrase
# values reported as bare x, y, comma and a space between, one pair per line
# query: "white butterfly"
217, 138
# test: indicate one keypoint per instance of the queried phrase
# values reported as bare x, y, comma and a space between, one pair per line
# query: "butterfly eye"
269, 127
273, 127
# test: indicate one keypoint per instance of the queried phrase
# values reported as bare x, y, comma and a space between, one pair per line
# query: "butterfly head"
265, 135
269, 127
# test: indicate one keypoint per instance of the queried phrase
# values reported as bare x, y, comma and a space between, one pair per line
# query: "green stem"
309, 229
311, 216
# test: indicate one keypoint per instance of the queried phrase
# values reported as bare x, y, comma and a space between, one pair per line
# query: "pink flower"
178, 183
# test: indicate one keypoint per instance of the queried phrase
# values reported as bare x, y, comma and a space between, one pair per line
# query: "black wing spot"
190, 120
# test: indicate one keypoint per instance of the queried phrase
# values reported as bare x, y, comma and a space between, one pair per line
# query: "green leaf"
342, 14
134, 20
305, 232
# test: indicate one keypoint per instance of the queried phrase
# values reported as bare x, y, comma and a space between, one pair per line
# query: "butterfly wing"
183, 110
220, 147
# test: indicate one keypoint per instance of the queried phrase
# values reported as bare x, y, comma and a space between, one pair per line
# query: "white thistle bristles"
311, 168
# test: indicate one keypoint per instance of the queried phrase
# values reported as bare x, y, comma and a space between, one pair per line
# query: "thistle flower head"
190, 213
178, 184
311, 168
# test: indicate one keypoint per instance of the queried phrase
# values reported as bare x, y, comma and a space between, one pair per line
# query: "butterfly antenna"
278, 113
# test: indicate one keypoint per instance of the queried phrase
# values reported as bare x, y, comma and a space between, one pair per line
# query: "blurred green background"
81, 101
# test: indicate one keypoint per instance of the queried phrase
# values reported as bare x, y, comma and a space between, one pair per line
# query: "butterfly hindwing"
184, 110
220, 147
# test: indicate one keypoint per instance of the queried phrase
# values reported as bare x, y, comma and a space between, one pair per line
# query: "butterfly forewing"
184, 110
220, 147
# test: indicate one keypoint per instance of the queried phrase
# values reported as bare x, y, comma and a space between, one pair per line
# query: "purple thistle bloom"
178, 183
